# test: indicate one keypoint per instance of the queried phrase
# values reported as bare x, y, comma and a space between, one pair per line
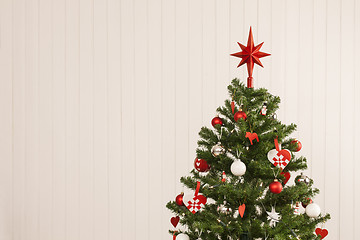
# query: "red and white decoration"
242, 210
251, 137
279, 158
198, 202
175, 220
250, 54
201, 165
286, 175
322, 232
297, 144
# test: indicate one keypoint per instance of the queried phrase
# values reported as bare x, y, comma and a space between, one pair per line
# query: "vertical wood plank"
155, 173
181, 89
45, 119
32, 183
114, 117
59, 121
128, 120
356, 181
333, 111
289, 97
6, 121
195, 92
72, 118
101, 160
19, 110
303, 89
208, 61
86, 120
347, 119
222, 53
264, 34
141, 83
238, 33
319, 101
170, 185
277, 83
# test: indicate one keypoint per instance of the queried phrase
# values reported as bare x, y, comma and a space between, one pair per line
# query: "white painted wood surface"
101, 102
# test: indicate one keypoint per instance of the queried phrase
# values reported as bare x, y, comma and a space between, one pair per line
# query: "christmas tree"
240, 175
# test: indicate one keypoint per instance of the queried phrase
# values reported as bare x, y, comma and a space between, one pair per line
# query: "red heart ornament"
286, 175
281, 159
242, 210
175, 220
322, 232
196, 203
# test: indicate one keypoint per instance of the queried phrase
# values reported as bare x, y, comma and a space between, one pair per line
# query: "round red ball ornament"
179, 199
239, 114
201, 165
216, 120
275, 187
297, 144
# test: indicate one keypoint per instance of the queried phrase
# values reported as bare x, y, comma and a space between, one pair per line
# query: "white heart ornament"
280, 159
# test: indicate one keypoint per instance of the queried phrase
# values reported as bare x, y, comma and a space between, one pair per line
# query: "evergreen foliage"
252, 188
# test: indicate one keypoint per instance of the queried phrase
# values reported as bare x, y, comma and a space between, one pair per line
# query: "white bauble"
238, 168
182, 236
313, 210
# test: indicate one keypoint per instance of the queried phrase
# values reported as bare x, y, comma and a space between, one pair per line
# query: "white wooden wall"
101, 102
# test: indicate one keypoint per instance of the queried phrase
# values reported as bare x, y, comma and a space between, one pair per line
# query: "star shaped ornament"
250, 54
273, 216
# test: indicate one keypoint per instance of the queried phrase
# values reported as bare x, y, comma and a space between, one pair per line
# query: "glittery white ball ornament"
182, 236
312, 210
238, 168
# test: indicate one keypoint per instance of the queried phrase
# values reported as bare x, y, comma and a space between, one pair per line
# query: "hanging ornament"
201, 165
182, 236
242, 210
224, 209
263, 109
251, 137
217, 150
322, 232
238, 168
223, 177
250, 54
303, 179
198, 201
297, 209
286, 175
239, 114
297, 145
278, 157
273, 216
216, 121
306, 202
275, 187
232, 106
179, 199
175, 220
312, 210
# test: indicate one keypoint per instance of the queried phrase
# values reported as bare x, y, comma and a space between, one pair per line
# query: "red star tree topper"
250, 54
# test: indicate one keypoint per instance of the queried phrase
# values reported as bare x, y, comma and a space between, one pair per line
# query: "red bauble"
275, 187
307, 202
179, 199
240, 114
201, 165
297, 144
216, 120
